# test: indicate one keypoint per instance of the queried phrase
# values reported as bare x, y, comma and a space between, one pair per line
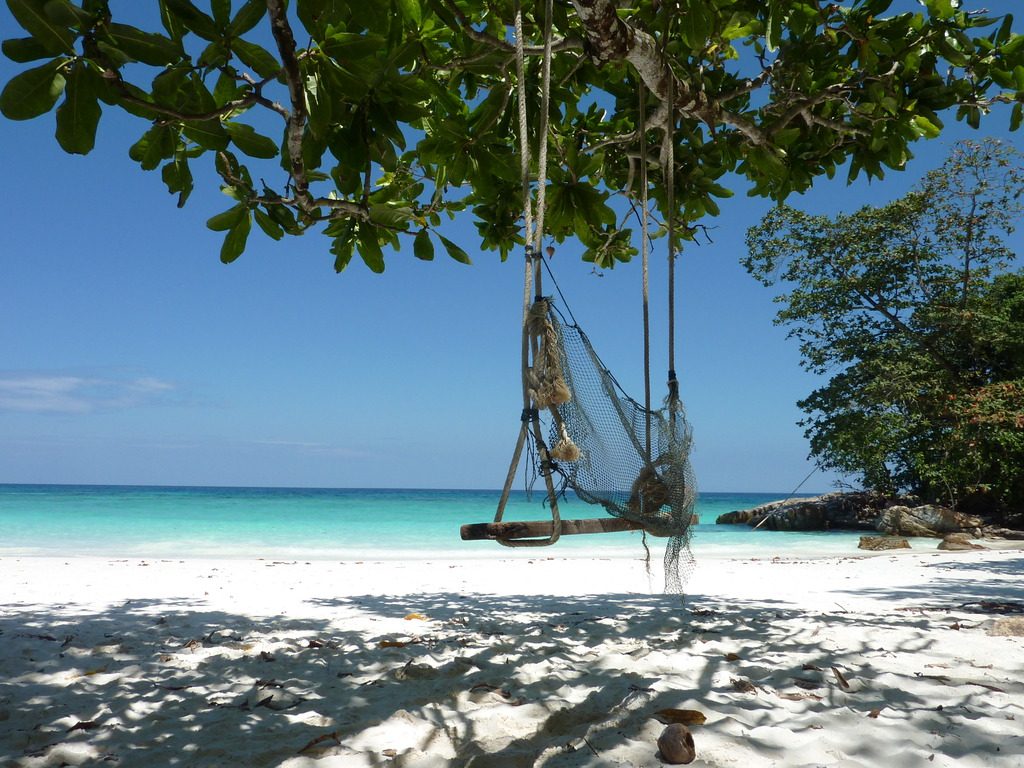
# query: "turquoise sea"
345, 524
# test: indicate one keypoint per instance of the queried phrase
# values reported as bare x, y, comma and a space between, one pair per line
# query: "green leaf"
773, 31
65, 14
193, 18
454, 251
392, 216
369, 249
422, 248
79, 114
974, 117
281, 214
270, 227
234, 242
352, 46
178, 178
214, 56
1002, 77
256, 57
944, 9
248, 16
221, 12
156, 144
168, 86
225, 90
33, 92
171, 22
926, 126
31, 15
226, 220
343, 248
147, 47
1016, 115
24, 49
198, 98
318, 106
695, 24
208, 134
1018, 77
1004, 30
1015, 43
116, 58
411, 10
484, 115
251, 143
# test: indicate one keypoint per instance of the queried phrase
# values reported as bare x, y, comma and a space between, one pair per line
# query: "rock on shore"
880, 543
856, 511
925, 520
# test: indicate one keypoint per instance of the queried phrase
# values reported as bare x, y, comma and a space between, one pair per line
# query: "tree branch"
296, 119
126, 95
612, 39
879, 305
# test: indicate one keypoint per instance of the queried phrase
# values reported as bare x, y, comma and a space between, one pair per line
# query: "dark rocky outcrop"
926, 520
852, 511
737, 517
877, 543
863, 511
995, 532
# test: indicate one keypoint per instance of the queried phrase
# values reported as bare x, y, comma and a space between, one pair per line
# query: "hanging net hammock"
600, 446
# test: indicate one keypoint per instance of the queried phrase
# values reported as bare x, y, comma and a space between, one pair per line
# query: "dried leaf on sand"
840, 679
321, 741
797, 696
85, 725
681, 716
807, 685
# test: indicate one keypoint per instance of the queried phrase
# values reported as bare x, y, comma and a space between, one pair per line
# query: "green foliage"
33, 92
911, 311
79, 115
411, 104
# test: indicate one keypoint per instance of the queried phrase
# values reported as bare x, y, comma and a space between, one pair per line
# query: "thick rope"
524, 141
524, 166
670, 181
524, 159
534, 222
644, 259
534, 232
545, 104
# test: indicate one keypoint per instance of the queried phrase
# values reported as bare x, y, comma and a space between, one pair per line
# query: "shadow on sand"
475, 680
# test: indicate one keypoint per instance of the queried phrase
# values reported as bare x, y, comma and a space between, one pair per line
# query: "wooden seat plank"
529, 529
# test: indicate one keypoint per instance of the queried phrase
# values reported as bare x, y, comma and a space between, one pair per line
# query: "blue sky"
130, 354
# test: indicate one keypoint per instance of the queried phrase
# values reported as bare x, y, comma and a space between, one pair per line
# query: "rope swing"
581, 430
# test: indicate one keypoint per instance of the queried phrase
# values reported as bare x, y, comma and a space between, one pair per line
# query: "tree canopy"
913, 312
372, 122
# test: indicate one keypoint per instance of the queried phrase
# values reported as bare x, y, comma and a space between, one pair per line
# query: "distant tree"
374, 121
910, 309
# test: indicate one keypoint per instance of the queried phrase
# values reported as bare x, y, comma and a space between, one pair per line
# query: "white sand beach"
914, 659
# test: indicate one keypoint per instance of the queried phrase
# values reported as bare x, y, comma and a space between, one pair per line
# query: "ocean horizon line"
407, 489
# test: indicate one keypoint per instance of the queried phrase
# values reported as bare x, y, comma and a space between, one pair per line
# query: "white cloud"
39, 393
